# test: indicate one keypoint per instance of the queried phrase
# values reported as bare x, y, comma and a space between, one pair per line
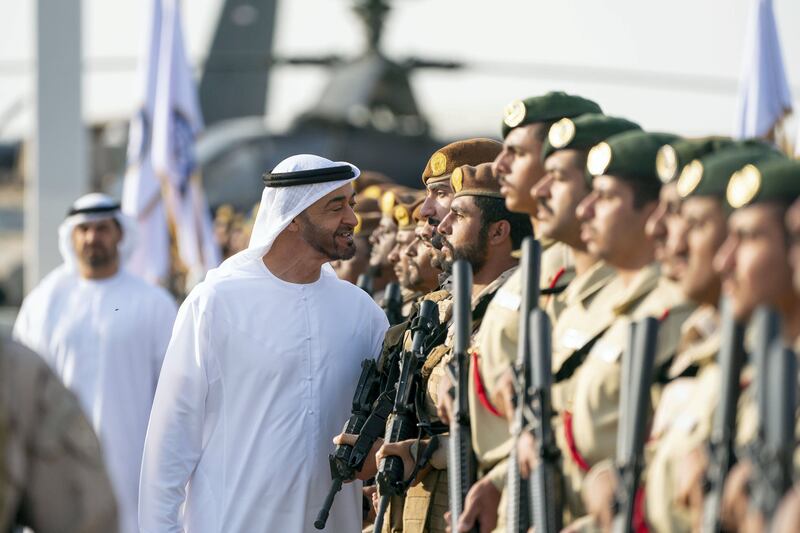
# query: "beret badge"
514, 113
401, 215
599, 159
743, 186
438, 163
690, 177
666, 163
561, 133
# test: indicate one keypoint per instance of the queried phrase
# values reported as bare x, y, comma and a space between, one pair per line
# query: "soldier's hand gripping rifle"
636, 379
723, 432
461, 463
371, 407
393, 303
518, 512
771, 454
402, 424
544, 482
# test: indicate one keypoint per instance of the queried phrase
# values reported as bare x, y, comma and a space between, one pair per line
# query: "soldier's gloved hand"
370, 467
689, 491
503, 395
444, 402
480, 505
526, 454
735, 497
598, 494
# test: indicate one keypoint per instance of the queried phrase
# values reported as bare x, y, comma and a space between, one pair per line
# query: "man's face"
753, 260
96, 243
665, 226
350, 269
558, 194
421, 273
519, 167
793, 227
382, 241
434, 209
706, 227
464, 237
610, 225
327, 225
397, 256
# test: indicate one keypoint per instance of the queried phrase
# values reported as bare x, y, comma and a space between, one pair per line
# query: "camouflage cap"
479, 180
771, 180
709, 175
583, 132
545, 108
630, 155
467, 152
672, 157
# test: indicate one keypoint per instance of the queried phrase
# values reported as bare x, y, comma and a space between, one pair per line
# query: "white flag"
163, 189
141, 193
764, 96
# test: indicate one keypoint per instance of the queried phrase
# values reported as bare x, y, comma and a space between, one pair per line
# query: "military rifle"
393, 303
544, 483
636, 380
771, 453
518, 515
461, 464
723, 432
402, 422
371, 407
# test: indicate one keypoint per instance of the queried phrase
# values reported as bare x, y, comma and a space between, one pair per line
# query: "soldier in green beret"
624, 194
683, 413
666, 221
754, 264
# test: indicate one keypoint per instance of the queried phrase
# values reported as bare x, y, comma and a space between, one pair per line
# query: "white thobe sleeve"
23, 327
175, 434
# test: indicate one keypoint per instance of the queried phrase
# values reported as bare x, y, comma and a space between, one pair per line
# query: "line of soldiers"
630, 369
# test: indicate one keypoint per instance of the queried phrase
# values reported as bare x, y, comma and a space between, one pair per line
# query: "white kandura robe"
106, 340
258, 378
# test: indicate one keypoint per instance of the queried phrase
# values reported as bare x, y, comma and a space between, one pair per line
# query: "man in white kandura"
260, 372
103, 332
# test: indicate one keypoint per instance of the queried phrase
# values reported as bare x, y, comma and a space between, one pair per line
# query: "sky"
669, 65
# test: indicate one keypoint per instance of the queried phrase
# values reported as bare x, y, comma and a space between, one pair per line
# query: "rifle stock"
393, 303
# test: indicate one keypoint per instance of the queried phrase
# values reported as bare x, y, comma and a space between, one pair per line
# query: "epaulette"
437, 296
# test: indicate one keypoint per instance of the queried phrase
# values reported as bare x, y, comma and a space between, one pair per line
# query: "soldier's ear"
499, 232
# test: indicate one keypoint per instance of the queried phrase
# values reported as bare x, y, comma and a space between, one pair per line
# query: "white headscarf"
90, 201
279, 205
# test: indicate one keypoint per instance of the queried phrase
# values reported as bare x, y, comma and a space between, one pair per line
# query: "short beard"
98, 257
473, 253
325, 243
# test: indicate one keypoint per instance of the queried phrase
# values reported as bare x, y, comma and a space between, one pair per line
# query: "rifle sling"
576, 358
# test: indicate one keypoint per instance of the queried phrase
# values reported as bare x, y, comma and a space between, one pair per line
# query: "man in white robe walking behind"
104, 332
260, 372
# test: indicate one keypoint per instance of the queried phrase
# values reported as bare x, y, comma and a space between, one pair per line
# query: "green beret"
774, 179
630, 155
672, 157
709, 175
546, 108
583, 132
